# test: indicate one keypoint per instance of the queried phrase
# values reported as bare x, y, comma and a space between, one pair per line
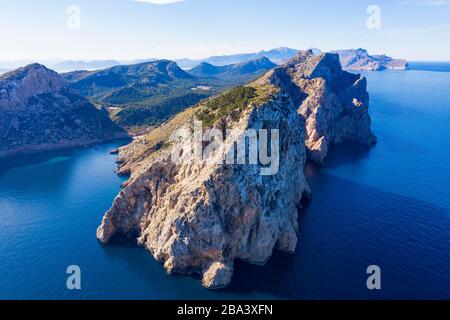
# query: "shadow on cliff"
279, 272
347, 227
339, 155
345, 154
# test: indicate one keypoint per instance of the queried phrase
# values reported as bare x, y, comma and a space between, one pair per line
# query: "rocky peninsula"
361, 60
201, 217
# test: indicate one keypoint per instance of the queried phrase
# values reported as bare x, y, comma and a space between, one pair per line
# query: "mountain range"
141, 96
71, 65
361, 60
147, 94
352, 59
233, 74
276, 55
39, 112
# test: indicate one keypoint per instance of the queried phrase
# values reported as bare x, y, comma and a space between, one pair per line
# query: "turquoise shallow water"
388, 206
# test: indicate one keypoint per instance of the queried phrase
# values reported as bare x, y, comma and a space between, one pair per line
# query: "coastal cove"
388, 206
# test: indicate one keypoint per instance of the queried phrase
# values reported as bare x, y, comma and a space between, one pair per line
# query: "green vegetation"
153, 113
264, 93
157, 139
238, 98
146, 95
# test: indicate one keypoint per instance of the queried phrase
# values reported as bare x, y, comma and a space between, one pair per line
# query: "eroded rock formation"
334, 102
200, 217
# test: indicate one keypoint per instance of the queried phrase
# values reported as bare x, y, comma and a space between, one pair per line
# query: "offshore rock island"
199, 218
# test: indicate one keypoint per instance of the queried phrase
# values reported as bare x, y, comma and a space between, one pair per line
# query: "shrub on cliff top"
236, 99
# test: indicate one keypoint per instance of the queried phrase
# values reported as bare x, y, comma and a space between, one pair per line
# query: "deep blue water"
388, 206
430, 66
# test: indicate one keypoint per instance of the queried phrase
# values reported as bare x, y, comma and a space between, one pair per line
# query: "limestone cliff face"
334, 102
200, 217
16, 87
38, 113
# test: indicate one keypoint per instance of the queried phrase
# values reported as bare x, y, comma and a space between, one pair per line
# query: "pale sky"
131, 29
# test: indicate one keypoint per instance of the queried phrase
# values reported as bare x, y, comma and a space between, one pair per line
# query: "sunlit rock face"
201, 217
334, 103
39, 113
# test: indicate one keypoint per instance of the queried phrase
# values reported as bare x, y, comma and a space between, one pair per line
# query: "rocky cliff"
333, 102
39, 113
200, 217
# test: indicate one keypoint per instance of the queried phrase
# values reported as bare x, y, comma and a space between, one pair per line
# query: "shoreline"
44, 148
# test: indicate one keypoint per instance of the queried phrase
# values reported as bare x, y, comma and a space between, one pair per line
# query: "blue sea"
430, 66
388, 206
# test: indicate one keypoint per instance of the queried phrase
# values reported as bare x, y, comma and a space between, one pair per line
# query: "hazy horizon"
134, 60
415, 30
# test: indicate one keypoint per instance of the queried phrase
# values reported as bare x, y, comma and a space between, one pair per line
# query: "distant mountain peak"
261, 63
155, 72
279, 49
276, 55
206, 64
34, 68
205, 69
38, 112
360, 60
263, 60
26, 82
258, 65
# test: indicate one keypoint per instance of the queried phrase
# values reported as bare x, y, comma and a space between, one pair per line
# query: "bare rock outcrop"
200, 217
334, 102
38, 113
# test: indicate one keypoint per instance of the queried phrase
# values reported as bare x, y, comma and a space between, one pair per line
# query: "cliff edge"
198, 217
